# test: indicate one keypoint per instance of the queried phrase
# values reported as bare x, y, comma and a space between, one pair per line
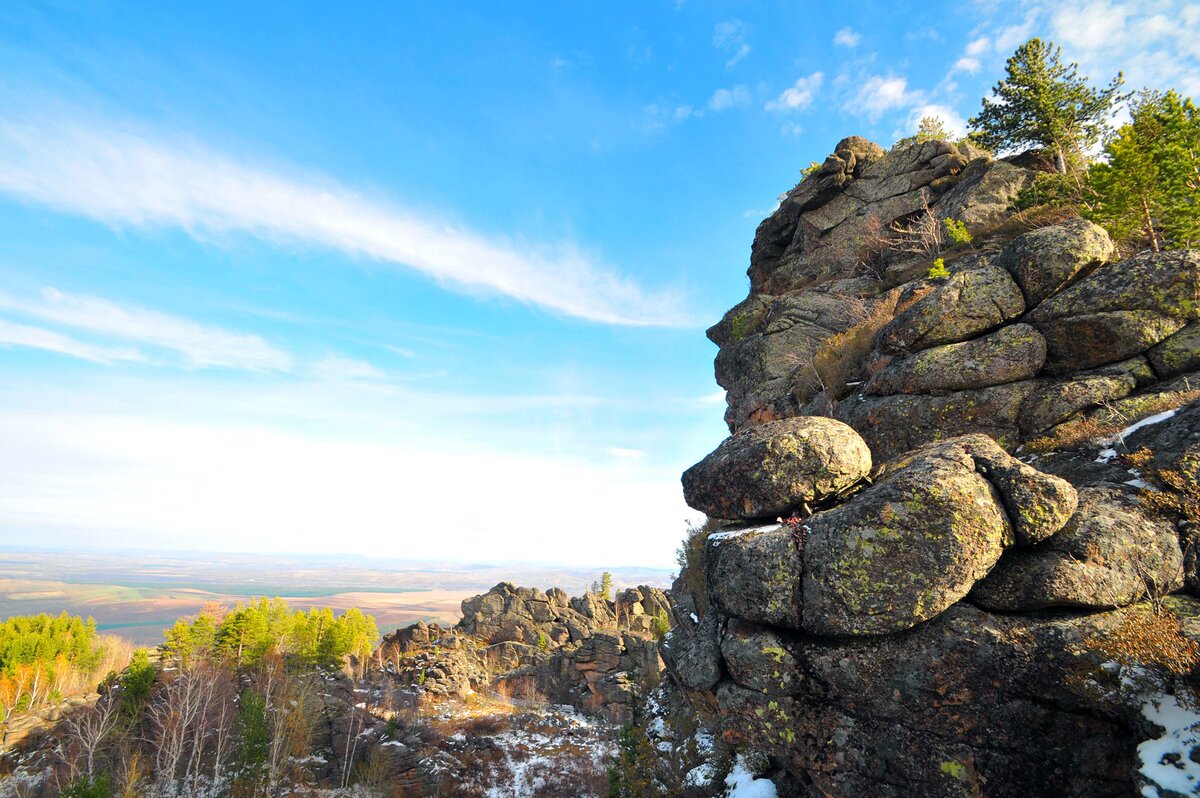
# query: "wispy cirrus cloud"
28, 337
730, 37
199, 345
108, 171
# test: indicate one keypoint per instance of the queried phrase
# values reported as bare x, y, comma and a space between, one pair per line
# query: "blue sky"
426, 281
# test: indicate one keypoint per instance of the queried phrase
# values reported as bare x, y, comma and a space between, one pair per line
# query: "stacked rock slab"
925, 620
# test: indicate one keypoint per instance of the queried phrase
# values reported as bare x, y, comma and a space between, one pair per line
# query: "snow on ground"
1109, 452
1166, 761
742, 784
700, 776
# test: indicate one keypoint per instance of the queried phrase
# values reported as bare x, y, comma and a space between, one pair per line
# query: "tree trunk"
1149, 224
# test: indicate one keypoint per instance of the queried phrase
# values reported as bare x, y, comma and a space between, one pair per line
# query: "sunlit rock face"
940, 572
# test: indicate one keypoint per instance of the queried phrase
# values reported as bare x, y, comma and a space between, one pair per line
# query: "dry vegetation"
1107, 421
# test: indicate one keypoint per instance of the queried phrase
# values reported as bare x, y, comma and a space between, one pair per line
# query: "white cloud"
1153, 42
624, 454
22, 335
799, 96
1008, 38
730, 37
955, 125
847, 37
200, 345
880, 94
966, 64
724, 99
102, 170
978, 47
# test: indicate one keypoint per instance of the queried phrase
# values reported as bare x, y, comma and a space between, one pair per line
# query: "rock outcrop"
942, 613
586, 651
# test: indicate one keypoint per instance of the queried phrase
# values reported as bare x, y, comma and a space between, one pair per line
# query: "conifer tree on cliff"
1042, 101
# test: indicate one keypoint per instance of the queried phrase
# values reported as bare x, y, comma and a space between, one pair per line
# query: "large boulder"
757, 658
1011, 413
983, 196
692, 653
1010, 354
1110, 554
1119, 310
755, 574
1038, 504
1177, 353
1045, 260
892, 425
904, 550
969, 303
763, 340
769, 469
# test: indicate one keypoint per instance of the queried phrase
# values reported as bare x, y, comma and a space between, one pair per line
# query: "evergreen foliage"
1148, 190
265, 626
46, 640
930, 128
1042, 101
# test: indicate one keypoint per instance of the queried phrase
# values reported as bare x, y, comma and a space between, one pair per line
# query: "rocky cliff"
943, 568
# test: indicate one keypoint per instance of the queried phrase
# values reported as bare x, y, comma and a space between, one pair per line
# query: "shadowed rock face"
940, 625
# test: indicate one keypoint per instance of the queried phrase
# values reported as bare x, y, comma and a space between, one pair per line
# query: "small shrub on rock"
938, 270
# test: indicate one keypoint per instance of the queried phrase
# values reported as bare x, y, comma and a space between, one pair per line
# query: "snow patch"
1157, 418
1166, 761
742, 784
730, 534
700, 776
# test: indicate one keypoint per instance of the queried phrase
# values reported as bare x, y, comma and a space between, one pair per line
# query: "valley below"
137, 596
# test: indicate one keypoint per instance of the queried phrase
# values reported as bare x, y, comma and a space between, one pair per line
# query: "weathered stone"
969, 303
904, 550
1054, 401
1119, 310
757, 658
1094, 339
1045, 260
892, 425
1038, 504
694, 657
1109, 555
764, 348
756, 575
1010, 354
1177, 353
968, 704
983, 196
769, 469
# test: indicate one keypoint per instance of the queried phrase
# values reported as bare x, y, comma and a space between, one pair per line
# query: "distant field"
137, 597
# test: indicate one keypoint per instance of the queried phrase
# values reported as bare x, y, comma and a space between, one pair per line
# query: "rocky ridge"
905, 599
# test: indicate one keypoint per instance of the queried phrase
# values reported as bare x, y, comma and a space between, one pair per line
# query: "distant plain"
138, 595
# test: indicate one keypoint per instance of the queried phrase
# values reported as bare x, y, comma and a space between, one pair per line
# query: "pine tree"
1148, 191
930, 128
1044, 102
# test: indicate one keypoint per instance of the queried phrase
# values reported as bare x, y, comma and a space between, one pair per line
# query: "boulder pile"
586, 651
904, 601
